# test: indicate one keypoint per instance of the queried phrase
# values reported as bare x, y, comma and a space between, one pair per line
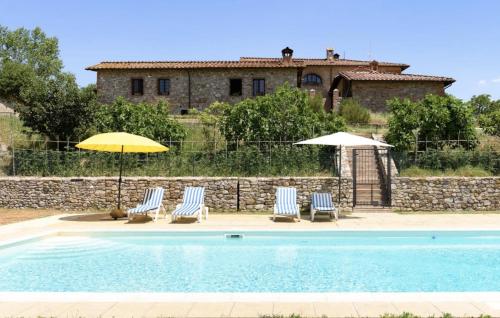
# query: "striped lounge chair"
193, 204
152, 202
322, 203
286, 203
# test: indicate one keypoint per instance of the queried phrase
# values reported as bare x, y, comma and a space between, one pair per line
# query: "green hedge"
245, 161
450, 159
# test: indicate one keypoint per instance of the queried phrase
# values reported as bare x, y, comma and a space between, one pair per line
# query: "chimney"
287, 54
374, 66
329, 54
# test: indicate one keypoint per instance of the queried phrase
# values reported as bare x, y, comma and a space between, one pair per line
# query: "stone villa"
197, 84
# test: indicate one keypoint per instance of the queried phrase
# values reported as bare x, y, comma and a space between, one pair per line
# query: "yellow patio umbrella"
121, 142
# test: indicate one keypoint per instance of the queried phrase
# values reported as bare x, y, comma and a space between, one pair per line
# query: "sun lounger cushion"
322, 202
286, 201
152, 200
193, 198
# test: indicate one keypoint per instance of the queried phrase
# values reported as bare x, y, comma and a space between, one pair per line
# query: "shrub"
435, 118
285, 115
450, 159
317, 103
352, 111
148, 120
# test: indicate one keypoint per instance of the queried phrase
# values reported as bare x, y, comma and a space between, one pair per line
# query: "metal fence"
22, 154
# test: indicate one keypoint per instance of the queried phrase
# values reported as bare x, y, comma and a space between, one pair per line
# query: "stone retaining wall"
249, 194
222, 194
446, 193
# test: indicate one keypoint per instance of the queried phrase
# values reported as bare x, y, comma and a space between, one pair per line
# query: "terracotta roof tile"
109, 65
380, 76
341, 62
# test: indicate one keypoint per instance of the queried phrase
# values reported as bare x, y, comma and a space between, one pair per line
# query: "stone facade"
221, 194
190, 88
446, 193
198, 88
373, 95
328, 73
197, 84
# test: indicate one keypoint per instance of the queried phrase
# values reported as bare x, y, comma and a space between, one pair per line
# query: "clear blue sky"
457, 38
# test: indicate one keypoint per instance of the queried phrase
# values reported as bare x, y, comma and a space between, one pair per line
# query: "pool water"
291, 261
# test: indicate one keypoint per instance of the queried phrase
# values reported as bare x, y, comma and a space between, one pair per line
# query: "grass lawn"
12, 131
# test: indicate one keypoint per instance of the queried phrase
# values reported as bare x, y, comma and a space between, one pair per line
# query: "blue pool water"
259, 262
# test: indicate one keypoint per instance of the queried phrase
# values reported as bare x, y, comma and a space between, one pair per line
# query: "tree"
32, 48
31, 79
482, 104
149, 120
434, 118
57, 107
285, 115
490, 122
489, 113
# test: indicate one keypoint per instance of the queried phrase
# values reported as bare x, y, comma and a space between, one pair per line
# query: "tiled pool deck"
250, 305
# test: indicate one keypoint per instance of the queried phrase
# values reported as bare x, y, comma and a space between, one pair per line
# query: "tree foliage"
31, 80
434, 118
57, 107
32, 48
286, 115
488, 112
148, 120
483, 104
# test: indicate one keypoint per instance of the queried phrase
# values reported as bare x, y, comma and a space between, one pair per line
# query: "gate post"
354, 153
389, 177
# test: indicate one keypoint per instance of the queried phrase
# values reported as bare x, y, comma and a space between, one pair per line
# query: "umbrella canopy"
343, 139
120, 142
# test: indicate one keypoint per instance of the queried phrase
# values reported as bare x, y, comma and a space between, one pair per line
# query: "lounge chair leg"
312, 216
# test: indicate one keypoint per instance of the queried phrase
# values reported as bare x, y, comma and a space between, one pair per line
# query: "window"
235, 87
259, 87
137, 86
163, 86
312, 79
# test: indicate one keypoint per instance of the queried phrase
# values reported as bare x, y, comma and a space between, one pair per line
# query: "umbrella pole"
340, 170
120, 180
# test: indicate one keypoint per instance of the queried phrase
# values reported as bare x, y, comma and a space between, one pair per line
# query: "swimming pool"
254, 261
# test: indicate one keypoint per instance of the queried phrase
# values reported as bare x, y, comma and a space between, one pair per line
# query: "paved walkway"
242, 309
335, 305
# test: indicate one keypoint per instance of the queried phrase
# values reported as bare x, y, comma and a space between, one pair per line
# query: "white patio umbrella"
342, 139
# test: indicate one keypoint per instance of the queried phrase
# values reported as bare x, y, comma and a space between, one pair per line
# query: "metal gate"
371, 173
